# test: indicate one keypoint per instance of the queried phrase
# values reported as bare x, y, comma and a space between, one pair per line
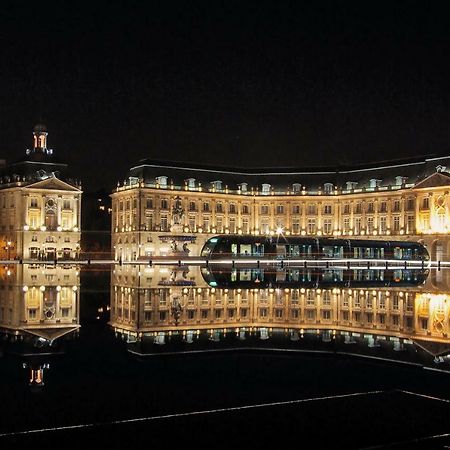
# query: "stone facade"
40, 207
152, 300
144, 222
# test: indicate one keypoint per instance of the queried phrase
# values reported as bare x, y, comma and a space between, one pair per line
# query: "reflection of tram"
230, 246
249, 278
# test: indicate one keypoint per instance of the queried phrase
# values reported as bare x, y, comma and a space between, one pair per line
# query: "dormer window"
191, 183
244, 187
296, 187
374, 183
217, 185
162, 181
265, 188
399, 180
328, 188
351, 185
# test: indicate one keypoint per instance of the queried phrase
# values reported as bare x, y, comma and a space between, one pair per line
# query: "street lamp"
8, 249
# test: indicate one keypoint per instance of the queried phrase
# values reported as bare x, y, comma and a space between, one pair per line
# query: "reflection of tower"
44, 312
36, 379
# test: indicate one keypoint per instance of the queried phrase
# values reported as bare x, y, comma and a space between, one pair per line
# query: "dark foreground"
222, 400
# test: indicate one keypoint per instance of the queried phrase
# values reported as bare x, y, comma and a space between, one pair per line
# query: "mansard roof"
30, 171
389, 173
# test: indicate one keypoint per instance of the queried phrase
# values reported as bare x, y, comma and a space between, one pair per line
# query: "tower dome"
39, 128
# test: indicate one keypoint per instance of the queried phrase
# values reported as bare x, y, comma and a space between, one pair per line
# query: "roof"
389, 173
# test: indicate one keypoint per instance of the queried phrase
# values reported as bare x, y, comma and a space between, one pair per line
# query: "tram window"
294, 275
307, 275
397, 253
246, 249
280, 276
335, 251
332, 276
258, 249
234, 249
370, 275
245, 275
397, 276
257, 275
233, 275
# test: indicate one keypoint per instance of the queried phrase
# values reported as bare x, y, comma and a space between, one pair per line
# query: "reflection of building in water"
40, 206
166, 208
39, 306
144, 303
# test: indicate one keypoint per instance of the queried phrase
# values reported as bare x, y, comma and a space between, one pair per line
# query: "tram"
242, 246
270, 277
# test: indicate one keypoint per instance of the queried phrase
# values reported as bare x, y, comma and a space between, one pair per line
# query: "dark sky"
232, 82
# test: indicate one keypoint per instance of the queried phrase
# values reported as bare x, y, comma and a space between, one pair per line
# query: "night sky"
234, 83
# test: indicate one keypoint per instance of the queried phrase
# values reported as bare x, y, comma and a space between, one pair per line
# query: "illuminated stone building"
40, 206
164, 208
155, 302
41, 301
39, 309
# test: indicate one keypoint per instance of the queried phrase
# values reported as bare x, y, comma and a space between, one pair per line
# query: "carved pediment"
435, 180
53, 333
53, 183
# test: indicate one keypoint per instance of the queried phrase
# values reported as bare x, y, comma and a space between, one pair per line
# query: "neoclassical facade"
158, 301
164, 209
40, 206
40, 301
